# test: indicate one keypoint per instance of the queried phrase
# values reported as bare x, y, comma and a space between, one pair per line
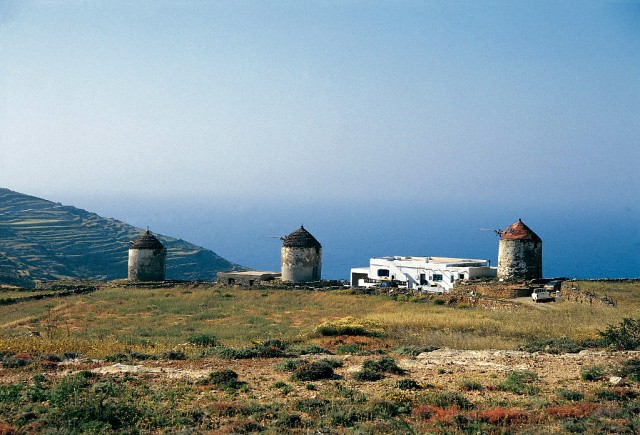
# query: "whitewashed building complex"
438, 274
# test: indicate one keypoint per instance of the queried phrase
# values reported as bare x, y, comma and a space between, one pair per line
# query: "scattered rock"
616, 380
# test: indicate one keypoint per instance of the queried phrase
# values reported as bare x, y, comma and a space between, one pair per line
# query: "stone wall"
301, 264
147, 264
520, 259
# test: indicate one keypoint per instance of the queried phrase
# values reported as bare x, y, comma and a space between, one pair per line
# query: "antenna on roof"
276, 237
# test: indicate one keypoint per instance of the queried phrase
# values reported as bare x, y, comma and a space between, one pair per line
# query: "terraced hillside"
40, 239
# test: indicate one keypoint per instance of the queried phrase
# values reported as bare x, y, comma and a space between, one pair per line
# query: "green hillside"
40, 239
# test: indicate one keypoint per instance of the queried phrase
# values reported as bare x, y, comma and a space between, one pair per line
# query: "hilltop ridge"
41, 239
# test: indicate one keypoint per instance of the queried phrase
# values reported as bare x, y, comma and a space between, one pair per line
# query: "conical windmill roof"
146, 241
519, 231
301, 238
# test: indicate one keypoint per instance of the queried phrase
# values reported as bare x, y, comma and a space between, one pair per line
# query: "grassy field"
166, 318
206, 359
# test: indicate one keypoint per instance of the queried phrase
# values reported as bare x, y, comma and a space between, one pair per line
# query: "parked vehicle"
541, 295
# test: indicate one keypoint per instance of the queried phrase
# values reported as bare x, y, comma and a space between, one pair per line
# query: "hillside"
40, 239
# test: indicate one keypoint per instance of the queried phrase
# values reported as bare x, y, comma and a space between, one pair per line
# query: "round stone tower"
147, 259
301, 256
519, 253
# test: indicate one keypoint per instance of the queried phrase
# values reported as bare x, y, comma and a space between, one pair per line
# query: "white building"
437, 274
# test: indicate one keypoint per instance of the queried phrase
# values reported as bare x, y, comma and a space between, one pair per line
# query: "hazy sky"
442, 102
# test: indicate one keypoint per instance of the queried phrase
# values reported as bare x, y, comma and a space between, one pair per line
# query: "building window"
383, 272
437, 277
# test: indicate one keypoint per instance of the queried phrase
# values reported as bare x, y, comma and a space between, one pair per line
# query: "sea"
579, 241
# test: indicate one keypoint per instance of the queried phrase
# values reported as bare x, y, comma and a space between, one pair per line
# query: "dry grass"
164, 318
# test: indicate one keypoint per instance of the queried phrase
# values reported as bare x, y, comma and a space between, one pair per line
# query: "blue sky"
348, 99
453, 105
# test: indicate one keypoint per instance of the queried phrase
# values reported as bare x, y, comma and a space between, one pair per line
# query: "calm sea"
578, 242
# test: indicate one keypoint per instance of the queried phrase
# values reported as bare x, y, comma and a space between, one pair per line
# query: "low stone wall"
494, 289
572, 293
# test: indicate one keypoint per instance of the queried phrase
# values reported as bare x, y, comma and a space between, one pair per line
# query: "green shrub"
467, 385
267, 349
232, 353
574, 396
69, 387
314, 405
311, 349
617, 394
203, 340
438, 301
553, 345
15, 361
313, 371
631, 369
388, 409
384, 365
289, 365
223, 379
176, 355
289, 421
348, 349
408, 384
368, 375
625, 336
11, 392
519, 382
333, 363
350, 326
594, 373
449, 399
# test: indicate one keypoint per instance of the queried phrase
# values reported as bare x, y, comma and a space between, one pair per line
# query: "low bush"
16, 361
267, 349
625, 336
616, 394
11, 392
331, 362
368, 375
223, 379
290, 421
467, 385
313, 371
203, 340
553, 345
289, 365
351, 326
387, 409
176, 355
310, 349
449, 399
314, 405
408, 384
594, 373
348, 349
631, 369
384, 365
374, 370
574, 396
519, 382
